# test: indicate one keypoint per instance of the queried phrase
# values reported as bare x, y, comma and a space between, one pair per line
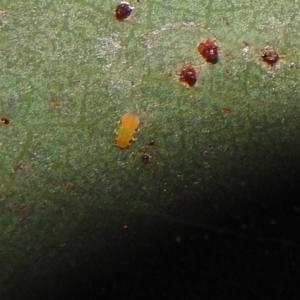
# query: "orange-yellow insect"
129, 123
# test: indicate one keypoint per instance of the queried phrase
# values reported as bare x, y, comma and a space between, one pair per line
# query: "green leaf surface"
69, 71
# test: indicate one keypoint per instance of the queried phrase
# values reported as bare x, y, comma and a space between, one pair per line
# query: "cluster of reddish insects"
187, 75
209, 51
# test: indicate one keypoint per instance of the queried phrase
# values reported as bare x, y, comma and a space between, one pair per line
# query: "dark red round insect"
209, 51
269, 56
188, 75
4, 121
123, 10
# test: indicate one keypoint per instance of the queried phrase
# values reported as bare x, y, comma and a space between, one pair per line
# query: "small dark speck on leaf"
228, 71
22, 206
55, 102
146, 158
291, 65
151, 143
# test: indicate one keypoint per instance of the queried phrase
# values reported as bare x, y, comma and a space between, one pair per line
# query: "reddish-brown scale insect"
228, 71
22, 206
55, 102
226, 110
146, 158
188, 75
123, 10
269, 56
19, 166
67, 184
209, 51
4, 121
